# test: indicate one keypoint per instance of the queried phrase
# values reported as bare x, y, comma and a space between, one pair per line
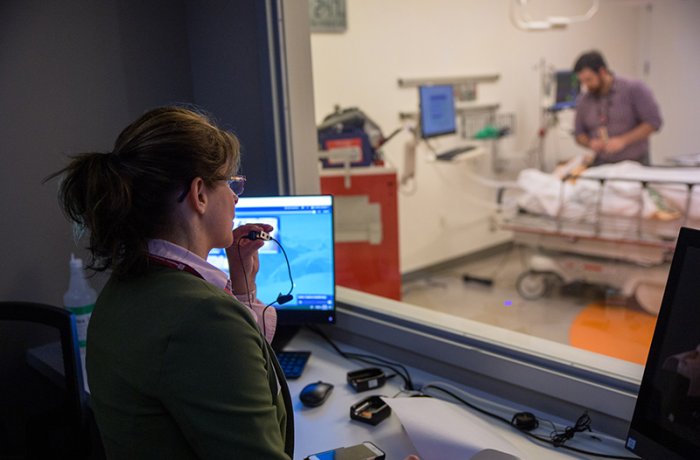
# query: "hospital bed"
612, 225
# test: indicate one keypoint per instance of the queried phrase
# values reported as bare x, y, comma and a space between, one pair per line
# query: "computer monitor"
666, 420
437, 110
567, 89
303, 225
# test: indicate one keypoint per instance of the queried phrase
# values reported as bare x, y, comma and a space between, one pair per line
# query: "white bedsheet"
542, 192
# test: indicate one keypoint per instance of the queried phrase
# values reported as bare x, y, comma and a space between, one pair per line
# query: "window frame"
538, 373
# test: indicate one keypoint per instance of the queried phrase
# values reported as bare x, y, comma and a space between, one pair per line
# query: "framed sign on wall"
328, 16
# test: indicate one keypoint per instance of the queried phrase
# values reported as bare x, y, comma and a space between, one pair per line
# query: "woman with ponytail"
177, 365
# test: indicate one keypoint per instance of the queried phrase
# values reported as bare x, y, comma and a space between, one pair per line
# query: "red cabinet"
366, 229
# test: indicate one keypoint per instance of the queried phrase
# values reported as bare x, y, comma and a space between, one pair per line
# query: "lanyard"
604, 111
170, 263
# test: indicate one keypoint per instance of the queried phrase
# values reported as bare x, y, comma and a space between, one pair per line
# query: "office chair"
43, 410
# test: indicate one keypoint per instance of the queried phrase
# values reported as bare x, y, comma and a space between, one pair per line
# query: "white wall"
674, 55
447, 215
74, 73
300, 92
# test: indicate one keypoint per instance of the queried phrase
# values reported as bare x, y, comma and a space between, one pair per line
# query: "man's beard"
597, 91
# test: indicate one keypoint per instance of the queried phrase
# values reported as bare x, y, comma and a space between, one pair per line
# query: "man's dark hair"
591, 60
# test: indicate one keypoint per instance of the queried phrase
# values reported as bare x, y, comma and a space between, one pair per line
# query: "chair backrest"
43, 404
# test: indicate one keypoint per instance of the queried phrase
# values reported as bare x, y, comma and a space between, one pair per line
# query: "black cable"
583, 423
289, 272
390, 136
556, 440
369, 359
245, 276
281, 298
468, 404
432, 149
247, 288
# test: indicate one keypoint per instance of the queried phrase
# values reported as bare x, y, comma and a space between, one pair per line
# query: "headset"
260, 235
281, 298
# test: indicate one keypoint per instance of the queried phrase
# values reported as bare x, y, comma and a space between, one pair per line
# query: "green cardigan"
178, 369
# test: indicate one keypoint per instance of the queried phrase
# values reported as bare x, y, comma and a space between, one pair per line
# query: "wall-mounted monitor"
567, 88
437, 110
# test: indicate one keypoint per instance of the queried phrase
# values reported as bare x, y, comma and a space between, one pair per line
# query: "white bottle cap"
75, 262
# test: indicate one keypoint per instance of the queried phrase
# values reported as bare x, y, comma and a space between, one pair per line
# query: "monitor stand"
283, 334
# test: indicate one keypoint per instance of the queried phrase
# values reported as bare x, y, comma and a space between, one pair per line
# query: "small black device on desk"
366, 379
370, 410
293, 362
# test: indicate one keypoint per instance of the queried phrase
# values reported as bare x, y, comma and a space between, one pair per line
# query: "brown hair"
126, 197
593, 60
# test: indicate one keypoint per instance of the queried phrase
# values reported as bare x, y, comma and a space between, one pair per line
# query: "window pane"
457, 251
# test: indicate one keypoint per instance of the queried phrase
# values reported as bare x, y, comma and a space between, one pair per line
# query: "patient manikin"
660, 200
574, 166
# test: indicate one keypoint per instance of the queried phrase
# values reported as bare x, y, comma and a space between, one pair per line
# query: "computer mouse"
315, 394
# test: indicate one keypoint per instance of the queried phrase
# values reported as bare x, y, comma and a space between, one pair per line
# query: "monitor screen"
303, 226
437, 110
567, 89
666, 420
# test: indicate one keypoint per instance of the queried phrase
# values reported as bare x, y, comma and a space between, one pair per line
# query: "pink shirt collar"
177, 253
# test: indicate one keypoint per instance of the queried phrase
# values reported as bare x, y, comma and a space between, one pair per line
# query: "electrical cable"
281, 298
369, 359
393, 133
245, 276
557, 439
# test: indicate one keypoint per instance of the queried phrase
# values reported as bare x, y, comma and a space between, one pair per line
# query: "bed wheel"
534, 285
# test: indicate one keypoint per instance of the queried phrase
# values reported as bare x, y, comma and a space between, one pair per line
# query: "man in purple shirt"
616, 116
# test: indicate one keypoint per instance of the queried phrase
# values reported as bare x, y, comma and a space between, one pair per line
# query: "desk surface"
329, 426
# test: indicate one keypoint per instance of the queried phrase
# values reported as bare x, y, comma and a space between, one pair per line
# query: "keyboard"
448, 155
293, 362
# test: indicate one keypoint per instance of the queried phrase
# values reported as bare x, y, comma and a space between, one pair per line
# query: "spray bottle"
79, 299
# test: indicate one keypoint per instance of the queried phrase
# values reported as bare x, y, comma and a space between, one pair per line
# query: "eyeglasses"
237, 184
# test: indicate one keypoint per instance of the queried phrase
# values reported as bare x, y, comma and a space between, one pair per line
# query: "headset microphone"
261, 235
253, 235
281, 298
284, 298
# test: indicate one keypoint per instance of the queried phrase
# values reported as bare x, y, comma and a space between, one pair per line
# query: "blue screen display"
437, 110
303, 225
567, 90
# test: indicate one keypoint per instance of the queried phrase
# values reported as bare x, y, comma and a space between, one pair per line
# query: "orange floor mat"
616, 331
